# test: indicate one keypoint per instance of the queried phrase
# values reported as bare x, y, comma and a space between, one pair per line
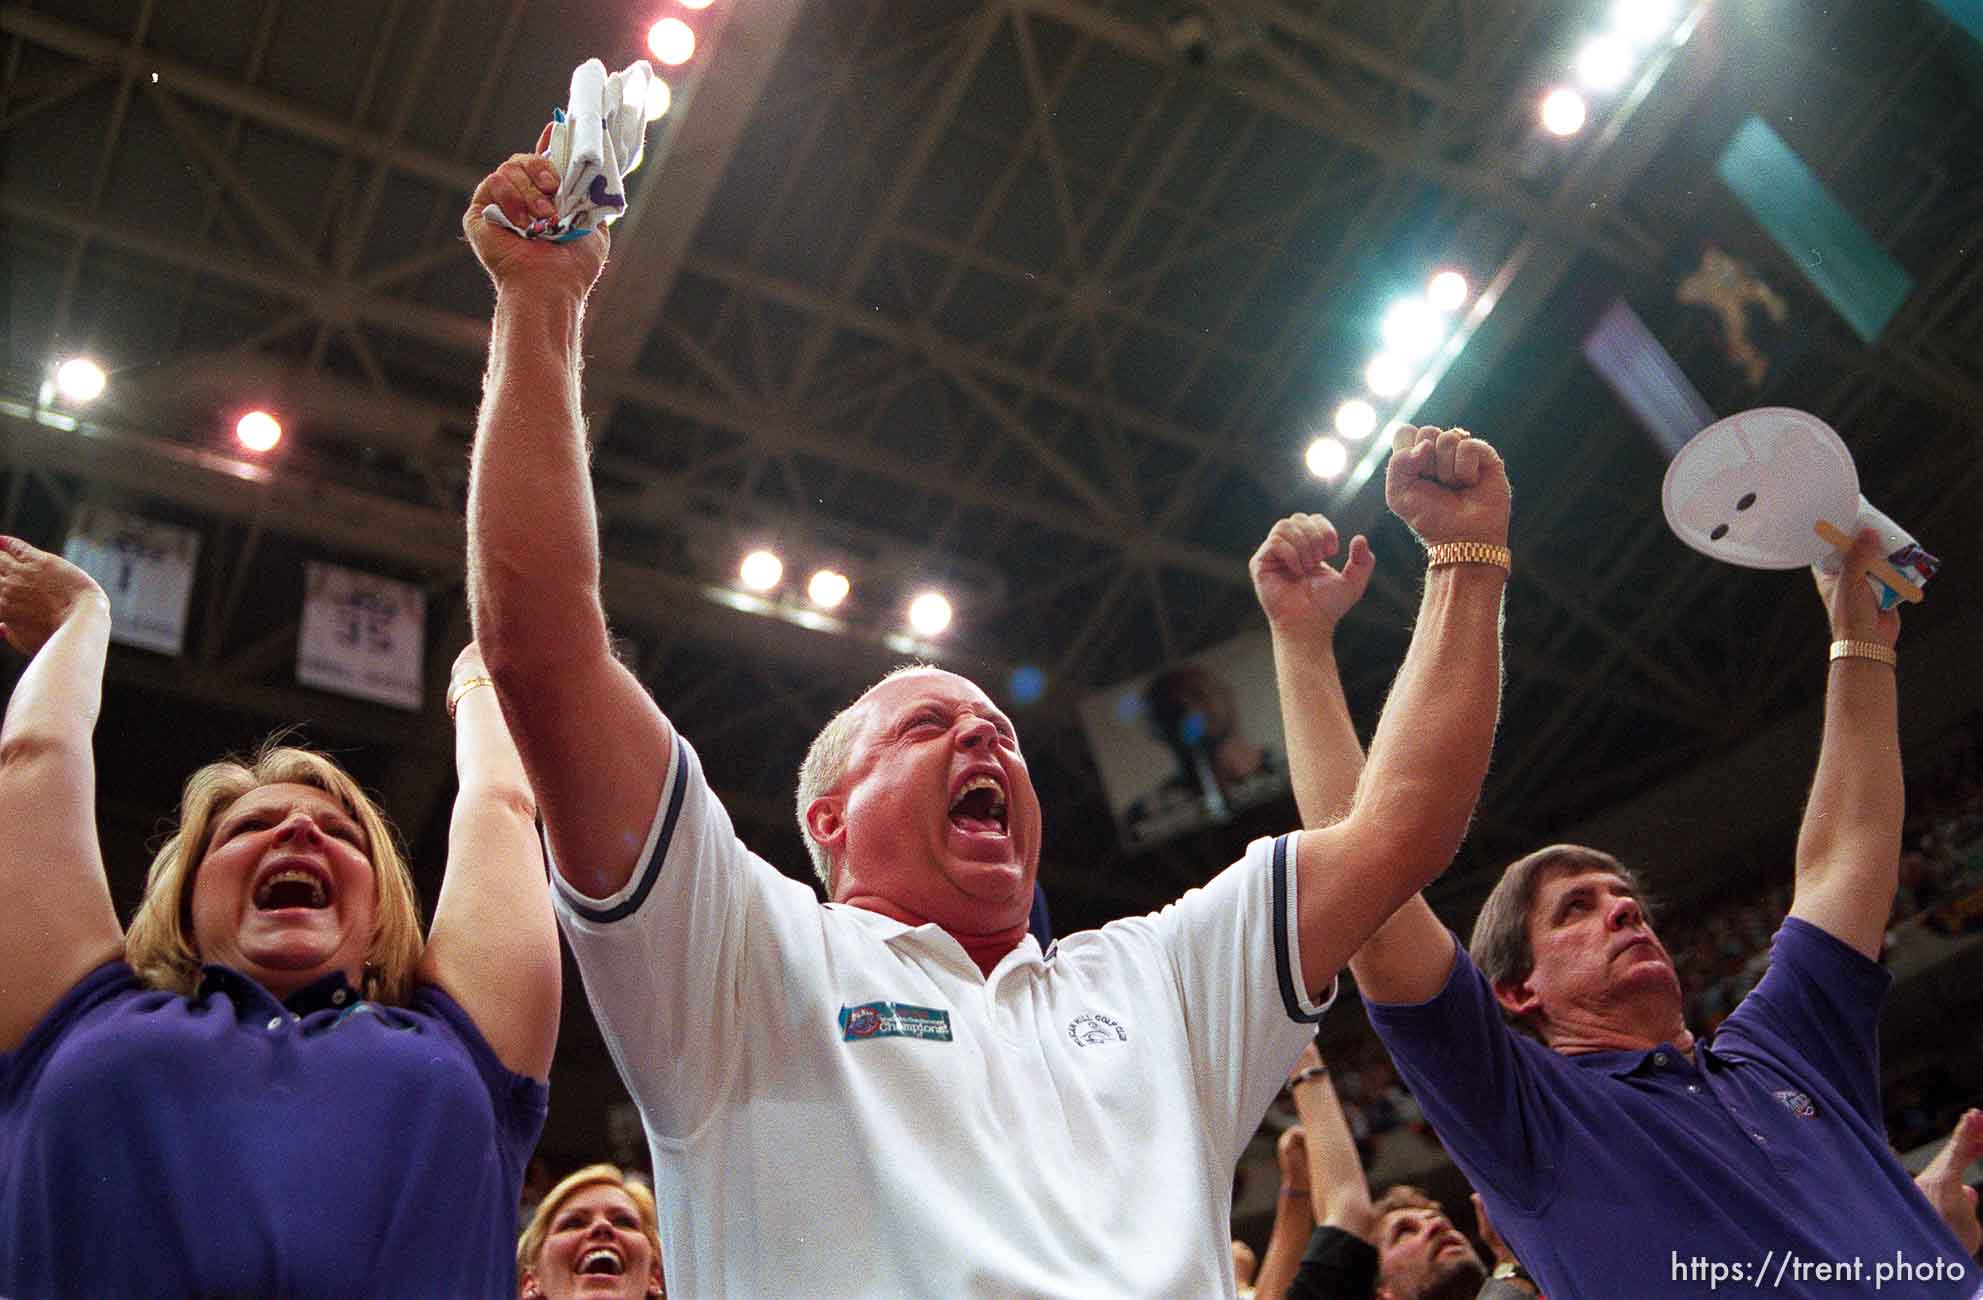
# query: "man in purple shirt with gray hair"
1618, 1154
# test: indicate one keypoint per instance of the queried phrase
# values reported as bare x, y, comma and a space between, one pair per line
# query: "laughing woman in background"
594, 1234
272, 1085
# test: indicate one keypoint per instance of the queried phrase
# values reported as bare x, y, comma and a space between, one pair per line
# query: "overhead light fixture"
1386, 375
1355, 419
1411, 328
258, 431
929, 613
1448, 291
827, 589
1604, 64
1327, 458
1643, 21
80, 380
1563, 112
672, 41
761, 570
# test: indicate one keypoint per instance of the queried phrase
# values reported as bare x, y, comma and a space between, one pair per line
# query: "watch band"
1468, 553
1865, 650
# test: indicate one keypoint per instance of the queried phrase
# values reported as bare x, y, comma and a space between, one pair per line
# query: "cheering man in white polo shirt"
897, 1092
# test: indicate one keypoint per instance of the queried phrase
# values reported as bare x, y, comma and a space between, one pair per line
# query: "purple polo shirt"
228, 1144
1641, 1174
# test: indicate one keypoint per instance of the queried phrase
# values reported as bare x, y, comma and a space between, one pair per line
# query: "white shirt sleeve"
663, 957
1235, 947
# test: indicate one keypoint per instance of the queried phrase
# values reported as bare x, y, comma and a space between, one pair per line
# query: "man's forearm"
1294, 1220
1340, 1192
1324, 757
1431, 749
1858, 800
533, 541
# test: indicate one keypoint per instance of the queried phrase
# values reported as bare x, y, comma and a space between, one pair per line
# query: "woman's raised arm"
494, 943
56, 919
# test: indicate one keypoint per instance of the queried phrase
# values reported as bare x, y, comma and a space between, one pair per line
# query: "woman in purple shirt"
272, 1085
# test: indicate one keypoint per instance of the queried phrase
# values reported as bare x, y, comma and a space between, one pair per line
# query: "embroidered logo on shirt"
893, 1020
1095, 1030
1799, 1104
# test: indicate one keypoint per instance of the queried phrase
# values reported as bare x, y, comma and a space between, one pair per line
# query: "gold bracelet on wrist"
1468, 553
463, 687
1865, 650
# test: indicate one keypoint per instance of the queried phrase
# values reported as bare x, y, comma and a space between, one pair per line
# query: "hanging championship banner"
363, 636
1192, 744
146, 568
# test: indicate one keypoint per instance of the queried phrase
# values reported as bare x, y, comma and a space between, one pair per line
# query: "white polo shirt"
839, 1104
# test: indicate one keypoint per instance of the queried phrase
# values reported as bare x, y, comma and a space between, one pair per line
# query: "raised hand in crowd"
1942, 1181
39, 593
1858, 617
525, 187
1300, 591
1447, 486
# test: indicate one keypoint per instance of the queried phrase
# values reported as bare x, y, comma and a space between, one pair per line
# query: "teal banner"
1837, 255
1966, 14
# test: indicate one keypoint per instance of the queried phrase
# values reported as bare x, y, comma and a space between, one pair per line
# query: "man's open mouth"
979, 807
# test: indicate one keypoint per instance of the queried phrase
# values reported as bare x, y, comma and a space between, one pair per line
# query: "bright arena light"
1563, 112
1355, 419
258, 431
1327, 458
1448, 291
80, 380
672, 41
1604, 64
1643, 21
1412, 328
761, 570
1386, 376
827, 588
695, 4
659, 97
929, 614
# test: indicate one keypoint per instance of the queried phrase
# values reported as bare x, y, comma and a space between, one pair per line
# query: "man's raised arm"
1848, 850
1431, 748
595, 746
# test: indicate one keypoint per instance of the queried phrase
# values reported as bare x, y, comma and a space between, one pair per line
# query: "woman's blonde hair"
531, 1243
160, 944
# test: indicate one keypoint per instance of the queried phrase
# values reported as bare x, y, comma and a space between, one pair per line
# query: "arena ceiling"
1040, 300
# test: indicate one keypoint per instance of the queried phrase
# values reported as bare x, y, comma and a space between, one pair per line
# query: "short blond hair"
160, 944
531, 1243
826, 762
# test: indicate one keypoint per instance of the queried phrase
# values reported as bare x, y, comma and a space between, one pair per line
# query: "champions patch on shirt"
893, 1020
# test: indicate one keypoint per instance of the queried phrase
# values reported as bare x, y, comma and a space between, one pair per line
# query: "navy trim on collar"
1290, 998
650, 871
331, 993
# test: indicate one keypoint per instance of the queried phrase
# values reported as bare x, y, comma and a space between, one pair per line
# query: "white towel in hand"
595, 144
